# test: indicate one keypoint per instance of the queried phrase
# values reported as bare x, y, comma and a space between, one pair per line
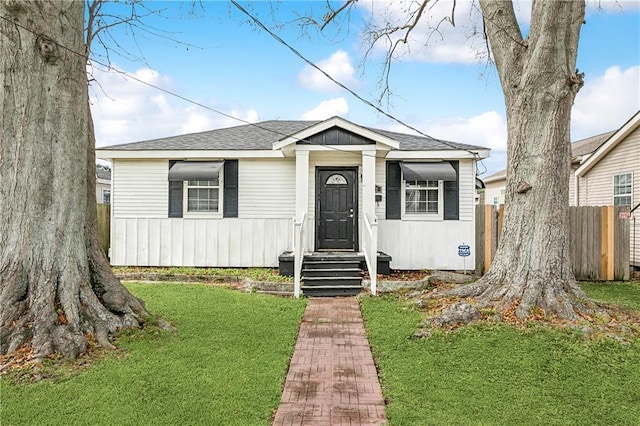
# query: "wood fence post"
488, 236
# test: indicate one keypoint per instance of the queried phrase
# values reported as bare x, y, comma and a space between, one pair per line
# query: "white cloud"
337, 66
488, 129
328, 109
125, 110
606, 102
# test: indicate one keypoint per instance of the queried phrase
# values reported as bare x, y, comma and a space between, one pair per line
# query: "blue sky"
444, 89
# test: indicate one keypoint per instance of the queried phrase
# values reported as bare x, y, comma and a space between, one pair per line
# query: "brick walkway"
332, 379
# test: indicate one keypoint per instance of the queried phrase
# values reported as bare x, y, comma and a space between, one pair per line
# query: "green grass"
498, 375
621, 293
225, 365
255, 274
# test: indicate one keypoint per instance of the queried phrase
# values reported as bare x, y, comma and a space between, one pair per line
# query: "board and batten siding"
143, 235
427, 244
596, 186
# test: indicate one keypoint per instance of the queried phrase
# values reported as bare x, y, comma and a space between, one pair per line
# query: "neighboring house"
103, 184
580, 151
237, 197
494, 187
611, 176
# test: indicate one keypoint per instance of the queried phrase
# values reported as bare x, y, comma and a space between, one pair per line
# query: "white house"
242, 196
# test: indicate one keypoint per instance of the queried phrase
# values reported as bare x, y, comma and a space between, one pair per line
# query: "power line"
257, 125
357, 96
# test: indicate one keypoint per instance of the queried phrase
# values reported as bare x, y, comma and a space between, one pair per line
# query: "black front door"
336, 208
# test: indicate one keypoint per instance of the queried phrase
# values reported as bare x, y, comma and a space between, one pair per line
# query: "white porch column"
370, 231
300, 220
369, 183
302, 183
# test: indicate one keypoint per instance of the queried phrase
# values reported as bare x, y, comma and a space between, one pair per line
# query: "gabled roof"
617, 137
267, 134
588, 145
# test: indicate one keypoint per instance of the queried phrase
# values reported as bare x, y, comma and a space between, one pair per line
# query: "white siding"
199, 242
139, 188
493, 190
427, 245
467, 191
421, 244
266, 188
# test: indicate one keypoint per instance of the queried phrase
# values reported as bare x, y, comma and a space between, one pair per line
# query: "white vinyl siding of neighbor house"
494, 191
423, 244
596, 186
143, 235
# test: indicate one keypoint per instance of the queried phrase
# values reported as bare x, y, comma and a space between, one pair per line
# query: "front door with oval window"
336, 209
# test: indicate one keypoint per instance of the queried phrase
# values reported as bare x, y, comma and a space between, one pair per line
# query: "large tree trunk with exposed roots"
56, 285
532, 267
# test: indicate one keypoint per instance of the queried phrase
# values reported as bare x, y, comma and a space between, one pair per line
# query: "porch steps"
331, 274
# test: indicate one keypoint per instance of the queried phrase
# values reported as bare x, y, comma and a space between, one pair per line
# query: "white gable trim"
611, 143
336, 122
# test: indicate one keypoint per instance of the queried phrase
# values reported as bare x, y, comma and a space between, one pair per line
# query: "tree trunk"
532, 267
56, 284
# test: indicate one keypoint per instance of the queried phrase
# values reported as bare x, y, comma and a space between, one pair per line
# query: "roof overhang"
451, 154
380, 139
620, 135
111, 154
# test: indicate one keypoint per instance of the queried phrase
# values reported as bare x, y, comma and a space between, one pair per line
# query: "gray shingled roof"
103, 173
589, 145
262, 136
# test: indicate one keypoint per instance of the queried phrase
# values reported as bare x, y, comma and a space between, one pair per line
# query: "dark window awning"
195, 170
428, 171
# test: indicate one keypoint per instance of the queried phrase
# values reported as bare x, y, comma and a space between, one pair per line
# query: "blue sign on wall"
464, 250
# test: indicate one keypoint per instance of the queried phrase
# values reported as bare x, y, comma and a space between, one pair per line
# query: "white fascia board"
611, 143
339, 122
447, 155
149, 154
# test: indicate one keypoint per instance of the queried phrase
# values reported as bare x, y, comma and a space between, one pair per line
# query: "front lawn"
495, 375
225, 365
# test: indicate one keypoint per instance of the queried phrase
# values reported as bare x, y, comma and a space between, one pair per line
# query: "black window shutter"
175, 199
393, 191
230, 208
451, 195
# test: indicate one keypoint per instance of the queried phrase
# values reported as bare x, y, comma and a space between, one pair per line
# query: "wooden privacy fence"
599, 240
104, 226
